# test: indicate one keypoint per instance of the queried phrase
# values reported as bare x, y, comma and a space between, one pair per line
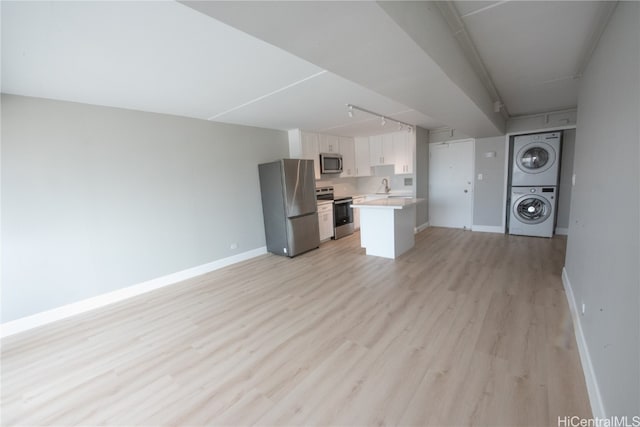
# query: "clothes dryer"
536, 160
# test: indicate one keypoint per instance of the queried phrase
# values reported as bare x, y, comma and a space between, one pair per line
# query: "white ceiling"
168, 58
402, 50
534, 50
392, 58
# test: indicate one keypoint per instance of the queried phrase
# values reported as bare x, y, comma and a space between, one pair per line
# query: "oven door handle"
341, 202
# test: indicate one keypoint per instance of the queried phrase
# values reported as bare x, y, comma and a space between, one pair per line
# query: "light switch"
480, 177
573, 180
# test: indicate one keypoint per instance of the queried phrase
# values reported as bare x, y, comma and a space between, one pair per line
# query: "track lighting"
383, 119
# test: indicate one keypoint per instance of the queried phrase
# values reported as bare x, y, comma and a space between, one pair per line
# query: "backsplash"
369, 184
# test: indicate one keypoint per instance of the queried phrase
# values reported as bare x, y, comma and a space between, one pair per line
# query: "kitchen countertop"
389, 194
355, 196
391, 203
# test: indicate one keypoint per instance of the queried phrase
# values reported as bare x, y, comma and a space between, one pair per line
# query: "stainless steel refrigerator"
289, 206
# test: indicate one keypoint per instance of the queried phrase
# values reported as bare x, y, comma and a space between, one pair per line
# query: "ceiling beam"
402, 50
456, 23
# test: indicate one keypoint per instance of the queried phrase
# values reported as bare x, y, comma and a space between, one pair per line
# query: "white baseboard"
421, 227
59, 313
562, 231
488, 228
595, 398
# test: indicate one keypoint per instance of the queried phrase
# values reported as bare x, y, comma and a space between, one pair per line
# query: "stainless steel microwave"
330, 163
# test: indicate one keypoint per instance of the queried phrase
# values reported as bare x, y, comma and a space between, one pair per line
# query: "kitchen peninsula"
387, 225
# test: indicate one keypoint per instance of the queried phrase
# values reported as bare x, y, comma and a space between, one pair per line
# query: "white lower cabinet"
356, 212
325, 219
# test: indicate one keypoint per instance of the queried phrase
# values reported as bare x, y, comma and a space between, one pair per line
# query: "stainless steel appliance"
343, 217
330, 163
342, 211
532, 211
289, 206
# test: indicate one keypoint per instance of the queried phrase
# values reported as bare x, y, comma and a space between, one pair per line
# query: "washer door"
532, 209
535, 157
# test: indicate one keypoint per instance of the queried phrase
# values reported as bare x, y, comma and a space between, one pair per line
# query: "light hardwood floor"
466, 328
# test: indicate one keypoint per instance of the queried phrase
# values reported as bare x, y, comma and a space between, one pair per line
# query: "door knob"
466, 191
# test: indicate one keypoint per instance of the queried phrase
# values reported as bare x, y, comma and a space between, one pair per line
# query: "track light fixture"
383, 119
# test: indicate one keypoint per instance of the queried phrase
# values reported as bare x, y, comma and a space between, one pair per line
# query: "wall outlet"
480, 177
234, 246
583, 309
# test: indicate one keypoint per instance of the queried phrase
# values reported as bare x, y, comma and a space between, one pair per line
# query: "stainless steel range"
342, 211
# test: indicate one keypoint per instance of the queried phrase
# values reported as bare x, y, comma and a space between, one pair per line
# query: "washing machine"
536, 159
533, 211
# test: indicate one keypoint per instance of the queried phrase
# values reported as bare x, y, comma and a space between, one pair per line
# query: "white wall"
603, 251
422, 175
488, 199
95, 199
566, 171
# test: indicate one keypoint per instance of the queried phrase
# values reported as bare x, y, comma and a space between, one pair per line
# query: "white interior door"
451, 184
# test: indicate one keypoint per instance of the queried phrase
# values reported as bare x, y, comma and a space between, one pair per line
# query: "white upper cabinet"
358, 154
381, 149
403, 152
375, 150
347, 149
363, 162
309, 150
328, 143
388, 157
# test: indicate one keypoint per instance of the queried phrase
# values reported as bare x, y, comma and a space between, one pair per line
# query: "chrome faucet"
385, 182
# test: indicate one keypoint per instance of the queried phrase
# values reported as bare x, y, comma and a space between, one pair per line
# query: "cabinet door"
387, 149
375, 150
400, 152
410, 151
310, 150
325, 218
329, 143
363, 162
347, 149
356, 213
323, 227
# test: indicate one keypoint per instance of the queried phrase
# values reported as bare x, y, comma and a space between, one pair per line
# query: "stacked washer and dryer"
534, 184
